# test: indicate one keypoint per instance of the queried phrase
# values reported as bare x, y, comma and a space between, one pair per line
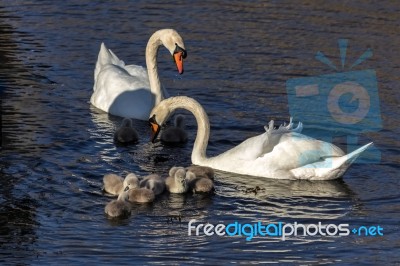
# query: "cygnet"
199, 184
117, 208
153, 182
175, 133
126, 133
201, 171
133, 193
114, 184
176, 182
137, 195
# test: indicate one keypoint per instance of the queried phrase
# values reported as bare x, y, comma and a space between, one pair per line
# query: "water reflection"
18, 221
293, 199
17, 217
286, 188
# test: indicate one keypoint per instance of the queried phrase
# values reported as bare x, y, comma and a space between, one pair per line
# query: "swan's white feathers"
281, 153
106, 57
257, 146
125, 90
131, 90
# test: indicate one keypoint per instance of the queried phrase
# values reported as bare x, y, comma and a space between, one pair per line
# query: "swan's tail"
106, 57
352, 156
330, 168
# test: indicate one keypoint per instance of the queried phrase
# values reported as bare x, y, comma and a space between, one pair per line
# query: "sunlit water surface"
57, 146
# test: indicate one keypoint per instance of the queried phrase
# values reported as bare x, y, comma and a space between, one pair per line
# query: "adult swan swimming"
281, 153
128, 90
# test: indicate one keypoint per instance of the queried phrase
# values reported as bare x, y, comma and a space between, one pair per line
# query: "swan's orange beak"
155, 128
179, 55
178, 58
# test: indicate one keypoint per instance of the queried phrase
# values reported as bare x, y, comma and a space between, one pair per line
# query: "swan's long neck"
151, 62
203, 125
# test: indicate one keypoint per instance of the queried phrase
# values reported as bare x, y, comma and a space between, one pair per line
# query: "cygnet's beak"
178, 56
127, 188
155, 128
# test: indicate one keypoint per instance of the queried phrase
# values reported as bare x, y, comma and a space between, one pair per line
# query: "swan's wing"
249, 149
106, 57
119, 93
296, 150
257, 146
137, 71
119, 89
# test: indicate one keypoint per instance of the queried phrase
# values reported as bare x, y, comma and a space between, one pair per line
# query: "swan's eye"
180, 49
152, 120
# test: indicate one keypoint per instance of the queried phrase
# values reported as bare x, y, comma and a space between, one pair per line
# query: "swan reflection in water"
292, 199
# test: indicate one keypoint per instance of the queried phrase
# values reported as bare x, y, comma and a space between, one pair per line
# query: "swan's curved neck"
151, 62
203, 125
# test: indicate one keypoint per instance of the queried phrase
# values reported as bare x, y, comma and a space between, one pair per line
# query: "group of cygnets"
131, 190
175, 134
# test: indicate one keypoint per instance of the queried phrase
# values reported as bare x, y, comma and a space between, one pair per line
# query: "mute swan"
133, 193
201, 171
137, 195
115, 185
128, 90
176, 181
176, 133
199, 184
117, 208
281, 153
153, 182
126, 133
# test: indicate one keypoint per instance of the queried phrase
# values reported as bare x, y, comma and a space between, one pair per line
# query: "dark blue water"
56, 146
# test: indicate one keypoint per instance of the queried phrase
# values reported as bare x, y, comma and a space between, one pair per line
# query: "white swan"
128, 90
281, 153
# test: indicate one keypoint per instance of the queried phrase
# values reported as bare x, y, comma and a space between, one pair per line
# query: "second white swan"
281, 153
130, 90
